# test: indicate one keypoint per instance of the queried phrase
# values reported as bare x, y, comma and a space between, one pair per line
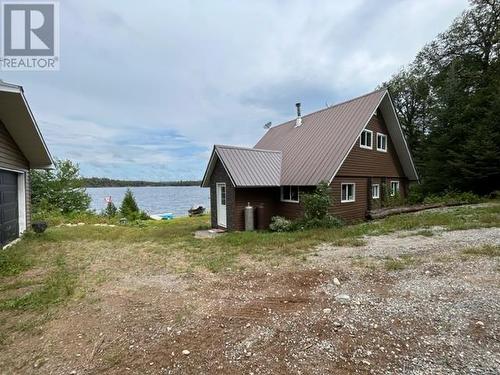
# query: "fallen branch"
384, 212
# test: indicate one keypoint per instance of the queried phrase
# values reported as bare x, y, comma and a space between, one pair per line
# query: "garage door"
9, 219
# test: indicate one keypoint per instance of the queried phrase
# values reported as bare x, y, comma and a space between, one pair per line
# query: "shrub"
389, 200
453, 197
326, 222
280, 224
110, 210
494, 194
129, 207
59, 189
138, 216
54, 218
316, 204
415, 194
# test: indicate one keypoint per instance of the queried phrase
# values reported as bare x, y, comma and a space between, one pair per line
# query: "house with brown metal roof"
357, 147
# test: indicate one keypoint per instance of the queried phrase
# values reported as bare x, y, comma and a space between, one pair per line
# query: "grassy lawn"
97, 271
68, 262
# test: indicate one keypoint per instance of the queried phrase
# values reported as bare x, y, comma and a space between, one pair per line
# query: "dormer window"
366, 139
381, 142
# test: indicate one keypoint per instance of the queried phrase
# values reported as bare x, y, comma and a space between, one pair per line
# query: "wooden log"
384, 212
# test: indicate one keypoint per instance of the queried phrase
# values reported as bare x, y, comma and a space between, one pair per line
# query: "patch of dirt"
342, 312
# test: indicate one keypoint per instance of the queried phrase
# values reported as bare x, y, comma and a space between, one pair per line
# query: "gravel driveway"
404, 303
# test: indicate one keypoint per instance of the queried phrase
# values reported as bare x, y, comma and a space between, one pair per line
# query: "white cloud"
145, 83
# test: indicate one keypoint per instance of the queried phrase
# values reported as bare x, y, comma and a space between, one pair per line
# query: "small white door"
221, 205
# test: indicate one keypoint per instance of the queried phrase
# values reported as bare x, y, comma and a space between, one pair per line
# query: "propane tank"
249, 217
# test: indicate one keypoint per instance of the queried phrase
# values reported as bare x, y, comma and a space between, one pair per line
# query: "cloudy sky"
147, 87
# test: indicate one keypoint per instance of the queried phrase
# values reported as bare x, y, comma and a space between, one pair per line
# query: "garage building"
21, 148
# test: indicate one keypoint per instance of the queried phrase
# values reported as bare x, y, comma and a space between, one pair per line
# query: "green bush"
415, 194
389, 200
280, 224
316, 204
129, 208
54, 218
494, 194
453, 197
59, 189
326, 222
110, 210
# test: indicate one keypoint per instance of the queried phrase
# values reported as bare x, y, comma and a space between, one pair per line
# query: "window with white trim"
375, 191
366, 139
381, 142
348, 192
394, 188
290, 194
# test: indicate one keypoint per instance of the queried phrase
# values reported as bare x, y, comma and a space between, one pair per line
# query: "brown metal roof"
247, 166
314, 151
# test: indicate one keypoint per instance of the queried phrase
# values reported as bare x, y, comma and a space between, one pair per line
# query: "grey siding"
12, 158
28, 200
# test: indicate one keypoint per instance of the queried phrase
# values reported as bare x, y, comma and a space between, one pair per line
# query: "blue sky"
147, 87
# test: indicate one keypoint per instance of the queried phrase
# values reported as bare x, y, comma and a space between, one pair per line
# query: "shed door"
221, 205
9, 217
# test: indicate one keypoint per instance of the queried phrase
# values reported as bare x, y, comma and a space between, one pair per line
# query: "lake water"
154, 200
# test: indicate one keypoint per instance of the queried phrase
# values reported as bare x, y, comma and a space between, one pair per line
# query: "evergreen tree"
110, 210
129, 207
449, 104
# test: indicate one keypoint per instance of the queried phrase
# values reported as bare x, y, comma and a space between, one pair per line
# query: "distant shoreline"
97, 182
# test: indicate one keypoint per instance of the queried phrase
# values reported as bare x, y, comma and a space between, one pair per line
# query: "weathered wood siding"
12, 158
220, 175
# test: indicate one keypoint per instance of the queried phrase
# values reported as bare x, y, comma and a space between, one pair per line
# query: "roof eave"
356, 139
415, 177
205, 182
29, 138
211, 165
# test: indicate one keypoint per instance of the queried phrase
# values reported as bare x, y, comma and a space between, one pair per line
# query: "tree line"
448, 103
108, 182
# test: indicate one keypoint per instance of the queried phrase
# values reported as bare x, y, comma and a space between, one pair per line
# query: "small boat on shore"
167, 216
196, 211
